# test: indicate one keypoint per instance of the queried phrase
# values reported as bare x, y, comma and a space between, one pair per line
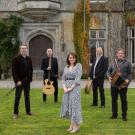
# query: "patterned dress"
71, 104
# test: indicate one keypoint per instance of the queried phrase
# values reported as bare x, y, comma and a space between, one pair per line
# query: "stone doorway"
37, 49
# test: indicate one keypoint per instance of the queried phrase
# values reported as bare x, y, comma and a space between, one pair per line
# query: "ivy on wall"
81, 36
9, 29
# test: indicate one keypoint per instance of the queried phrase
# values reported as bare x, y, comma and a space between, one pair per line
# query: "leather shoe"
124, 119
113, 117
93, 105
30, 113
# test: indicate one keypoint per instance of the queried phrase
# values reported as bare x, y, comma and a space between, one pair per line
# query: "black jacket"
101, 68
22, 69
54, 68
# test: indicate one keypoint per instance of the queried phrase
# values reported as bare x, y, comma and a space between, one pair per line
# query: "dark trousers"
123, 97
26, 88
55, 84
98, 83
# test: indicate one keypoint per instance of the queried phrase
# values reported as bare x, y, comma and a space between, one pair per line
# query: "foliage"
130, 17
9, 29
81, 36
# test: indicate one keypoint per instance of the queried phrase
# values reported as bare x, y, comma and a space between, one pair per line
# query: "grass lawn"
46, 120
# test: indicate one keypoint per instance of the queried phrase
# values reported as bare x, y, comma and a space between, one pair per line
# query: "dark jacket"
101, 68
22, 69
54, 68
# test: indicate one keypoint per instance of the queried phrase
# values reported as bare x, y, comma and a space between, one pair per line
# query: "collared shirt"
97, 60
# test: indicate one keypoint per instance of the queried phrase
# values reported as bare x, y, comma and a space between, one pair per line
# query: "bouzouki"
48, 88
16, 86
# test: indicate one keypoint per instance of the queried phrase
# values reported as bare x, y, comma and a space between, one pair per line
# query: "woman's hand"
69, 89
65, 90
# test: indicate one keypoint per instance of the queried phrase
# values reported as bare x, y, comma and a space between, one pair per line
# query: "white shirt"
97, 60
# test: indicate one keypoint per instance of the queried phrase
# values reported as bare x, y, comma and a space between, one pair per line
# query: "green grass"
46, 120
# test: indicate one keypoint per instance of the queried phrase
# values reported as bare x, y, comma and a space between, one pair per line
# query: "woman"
71, 105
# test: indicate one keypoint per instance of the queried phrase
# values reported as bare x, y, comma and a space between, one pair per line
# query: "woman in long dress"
71, 104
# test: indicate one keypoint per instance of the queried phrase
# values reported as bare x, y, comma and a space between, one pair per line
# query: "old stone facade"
49, 23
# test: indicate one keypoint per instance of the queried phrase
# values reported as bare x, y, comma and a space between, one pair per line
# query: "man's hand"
49, 68
110, 79
19, 83
127, 81
57, 76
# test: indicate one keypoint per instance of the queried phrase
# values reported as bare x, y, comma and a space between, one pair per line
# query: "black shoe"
44, 100
113, 117
30, 113
93, 105
55, 101
124, 118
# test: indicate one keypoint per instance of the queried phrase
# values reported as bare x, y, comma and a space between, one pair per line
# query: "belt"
70, 79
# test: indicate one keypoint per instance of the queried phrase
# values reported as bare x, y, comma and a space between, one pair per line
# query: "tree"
9, 29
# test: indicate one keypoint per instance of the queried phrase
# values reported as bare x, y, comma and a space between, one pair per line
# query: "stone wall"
8, 5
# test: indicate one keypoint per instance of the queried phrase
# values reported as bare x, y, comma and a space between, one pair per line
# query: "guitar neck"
49, 72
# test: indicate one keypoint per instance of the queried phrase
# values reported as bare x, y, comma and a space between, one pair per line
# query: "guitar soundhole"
48, 82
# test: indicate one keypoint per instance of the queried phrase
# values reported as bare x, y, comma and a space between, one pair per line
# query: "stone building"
49, 23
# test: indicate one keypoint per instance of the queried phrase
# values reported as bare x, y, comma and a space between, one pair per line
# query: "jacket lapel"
100, 60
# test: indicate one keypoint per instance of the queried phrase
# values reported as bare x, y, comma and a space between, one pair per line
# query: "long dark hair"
74, 56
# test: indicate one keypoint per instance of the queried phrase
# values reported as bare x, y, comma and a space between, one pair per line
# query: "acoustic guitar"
48, 88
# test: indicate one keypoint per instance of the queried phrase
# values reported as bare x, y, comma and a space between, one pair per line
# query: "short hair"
100, 48
49, 48
121, 49
23, 45
74, 56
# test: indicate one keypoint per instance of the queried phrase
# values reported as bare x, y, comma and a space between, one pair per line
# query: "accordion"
117, 79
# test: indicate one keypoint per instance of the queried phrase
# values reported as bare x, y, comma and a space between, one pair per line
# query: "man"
53, 72
126, 72
97, 74
22, 71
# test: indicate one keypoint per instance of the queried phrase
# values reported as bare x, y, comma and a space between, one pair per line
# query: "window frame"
97, 39
99, 1
130, 45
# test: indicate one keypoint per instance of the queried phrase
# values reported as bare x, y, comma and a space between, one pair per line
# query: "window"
97, 39
132, 44
101, 1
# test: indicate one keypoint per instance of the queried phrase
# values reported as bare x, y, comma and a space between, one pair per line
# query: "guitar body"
48, 88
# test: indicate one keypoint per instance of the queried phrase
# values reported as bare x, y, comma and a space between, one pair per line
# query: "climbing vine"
81, 36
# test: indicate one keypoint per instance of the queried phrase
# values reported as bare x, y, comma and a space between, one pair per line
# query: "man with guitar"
50, 68
22, 71
123, 68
